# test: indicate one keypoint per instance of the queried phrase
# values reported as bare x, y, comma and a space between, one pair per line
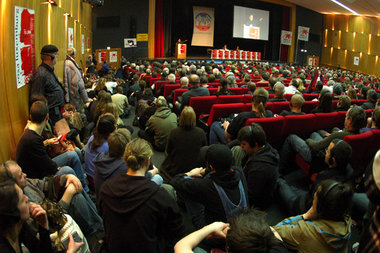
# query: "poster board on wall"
111, 56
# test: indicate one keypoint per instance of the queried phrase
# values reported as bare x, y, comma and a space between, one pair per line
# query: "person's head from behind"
105, 126
187, 118
251, 86
161, 102
318, 86
376, 118
142, 84
117, 141
249, 232
337, 89
338, 154
252, 138
137, 154
351, 92
279, 90
71, 52
39, 112
119, 90
372, 96
272, 81
259, 100
111, 108
325, 102
297, 101
171, 78
14, 206
344, 102
194, 80
223, 84
355, 118
184, 81
219, 158
333, 200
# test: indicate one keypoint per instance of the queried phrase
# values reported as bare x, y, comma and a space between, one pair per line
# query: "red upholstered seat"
247, 98
227, 99
278, 107
309, 96
262, 84
272, 127
301, 125
236, 91
178, 93
152, 80
158, 85
169, 88
308, 106
361, 156
202, 105
288, 96
341, 118
212, 91
358, 102
326, 121
223, 110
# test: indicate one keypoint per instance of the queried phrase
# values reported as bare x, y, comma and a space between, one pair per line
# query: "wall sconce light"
76, 21
66, 14
52, 2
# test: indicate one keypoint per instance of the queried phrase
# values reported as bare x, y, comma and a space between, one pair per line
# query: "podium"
180, 51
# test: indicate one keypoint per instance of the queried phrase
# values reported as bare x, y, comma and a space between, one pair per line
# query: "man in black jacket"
201, 188
260, 165
45, 83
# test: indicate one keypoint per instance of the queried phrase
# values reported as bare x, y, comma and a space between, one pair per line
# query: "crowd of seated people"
121, 201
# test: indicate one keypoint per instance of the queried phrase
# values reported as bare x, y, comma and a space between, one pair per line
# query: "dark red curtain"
159, 30
285, 26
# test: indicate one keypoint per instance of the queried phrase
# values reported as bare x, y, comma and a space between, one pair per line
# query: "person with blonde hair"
227, 131
139, 215
183, 145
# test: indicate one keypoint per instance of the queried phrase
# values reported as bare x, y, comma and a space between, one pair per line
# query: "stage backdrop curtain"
159, 30
285, 26
167, 17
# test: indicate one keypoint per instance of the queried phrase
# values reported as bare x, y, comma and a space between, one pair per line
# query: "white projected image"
250, 23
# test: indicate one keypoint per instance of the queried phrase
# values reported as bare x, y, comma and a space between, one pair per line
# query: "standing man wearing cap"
45, 83
211, 195
74, 84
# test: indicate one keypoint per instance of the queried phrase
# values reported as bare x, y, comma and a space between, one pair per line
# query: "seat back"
247, 98
169, 88
308, 106
360, 155
212, 91
158, 85
178, 93
202, 105
326, 121
223, 110
301, 125
272, 127
278, 107
236, 91
227, 99
309, 96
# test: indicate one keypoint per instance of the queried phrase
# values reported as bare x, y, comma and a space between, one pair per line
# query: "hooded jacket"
261, 171
160, 124
106, 168
202, 190
315, 235
139, 216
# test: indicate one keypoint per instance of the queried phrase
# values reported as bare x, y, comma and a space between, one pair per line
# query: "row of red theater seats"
364, 146
238, 92
223, 106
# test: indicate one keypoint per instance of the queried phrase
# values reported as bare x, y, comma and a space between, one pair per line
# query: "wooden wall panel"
359, 36
50, 28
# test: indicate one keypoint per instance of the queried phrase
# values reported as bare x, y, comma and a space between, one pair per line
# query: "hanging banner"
70, 37
102, 57
303, 33
82, 43
286, 37
113, 56
24, 45
203, 33
356, 60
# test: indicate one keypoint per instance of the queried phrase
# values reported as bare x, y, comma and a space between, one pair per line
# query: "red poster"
220, 54
232, 54
24, 45
214, 54
103, 56
226, 54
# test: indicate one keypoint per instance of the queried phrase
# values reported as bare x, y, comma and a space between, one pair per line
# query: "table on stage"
222, 54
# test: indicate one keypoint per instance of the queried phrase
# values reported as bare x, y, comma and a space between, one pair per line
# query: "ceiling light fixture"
344, 6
